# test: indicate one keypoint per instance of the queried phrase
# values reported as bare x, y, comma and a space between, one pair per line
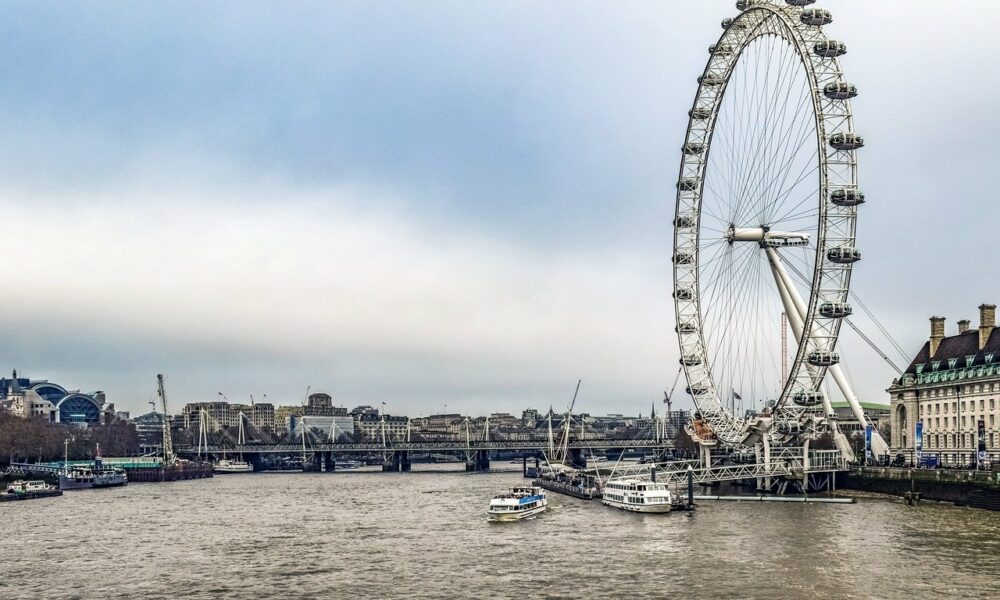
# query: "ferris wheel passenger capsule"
840, 90
683, 222
822, 358
733, 23
693, 148
745, 4
816, 17
807, 397
847, 197
847, 141
683, 294
696, 390
691, 360
835, 310
843, 255
686, 328
688, 184
800, 3
830, 48
683, 258
710, 79
700, 114
720, 49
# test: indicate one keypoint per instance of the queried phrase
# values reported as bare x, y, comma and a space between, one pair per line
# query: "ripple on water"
421, 535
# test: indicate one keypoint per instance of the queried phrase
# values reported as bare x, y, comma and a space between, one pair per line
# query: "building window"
935, 365
952, 362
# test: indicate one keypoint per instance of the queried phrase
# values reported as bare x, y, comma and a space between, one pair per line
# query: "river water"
425, 535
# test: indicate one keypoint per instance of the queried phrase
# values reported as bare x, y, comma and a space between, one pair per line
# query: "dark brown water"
425, 535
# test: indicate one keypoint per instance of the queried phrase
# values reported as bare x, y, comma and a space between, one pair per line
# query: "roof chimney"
963, 325
987, 321
937, 334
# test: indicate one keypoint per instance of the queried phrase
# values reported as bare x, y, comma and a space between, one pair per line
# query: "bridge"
438, 446
396, 455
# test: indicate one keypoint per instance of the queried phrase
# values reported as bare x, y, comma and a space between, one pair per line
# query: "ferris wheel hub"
766, 237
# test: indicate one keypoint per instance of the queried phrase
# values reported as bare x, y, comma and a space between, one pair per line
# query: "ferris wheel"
764, 226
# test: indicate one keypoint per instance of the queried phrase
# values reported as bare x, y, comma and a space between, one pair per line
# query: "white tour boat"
637, 495
519, 503
232, 466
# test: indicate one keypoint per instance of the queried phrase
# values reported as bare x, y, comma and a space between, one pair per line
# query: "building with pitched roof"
951, 387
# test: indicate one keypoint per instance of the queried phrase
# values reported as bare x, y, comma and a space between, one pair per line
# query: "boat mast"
168, 444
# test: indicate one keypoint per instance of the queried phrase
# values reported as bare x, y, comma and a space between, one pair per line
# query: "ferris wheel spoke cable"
763, 175
788, 159
736, 318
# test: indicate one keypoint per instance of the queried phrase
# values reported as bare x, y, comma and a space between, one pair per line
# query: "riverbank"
977, 489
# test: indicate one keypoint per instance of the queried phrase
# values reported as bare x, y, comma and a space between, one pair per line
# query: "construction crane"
168, 444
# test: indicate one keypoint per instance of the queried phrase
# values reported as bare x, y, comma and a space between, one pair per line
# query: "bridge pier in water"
399, 461
479, 461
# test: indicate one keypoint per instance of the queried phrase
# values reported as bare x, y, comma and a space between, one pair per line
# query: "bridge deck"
452, 446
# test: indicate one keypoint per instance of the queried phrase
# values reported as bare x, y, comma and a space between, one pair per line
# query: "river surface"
425, 535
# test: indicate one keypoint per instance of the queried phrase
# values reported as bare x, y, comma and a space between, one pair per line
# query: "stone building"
371, 426
43, 399
951, 385
284, 417
224, 414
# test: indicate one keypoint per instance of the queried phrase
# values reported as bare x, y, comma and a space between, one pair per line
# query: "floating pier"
778, 499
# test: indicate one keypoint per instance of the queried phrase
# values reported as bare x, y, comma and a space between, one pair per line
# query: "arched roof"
80, 409
50, 391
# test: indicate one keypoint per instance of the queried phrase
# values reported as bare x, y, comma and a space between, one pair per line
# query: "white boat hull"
639, 508
517, 515
232, 468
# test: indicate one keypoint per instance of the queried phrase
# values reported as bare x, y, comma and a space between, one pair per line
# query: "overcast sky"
433, 204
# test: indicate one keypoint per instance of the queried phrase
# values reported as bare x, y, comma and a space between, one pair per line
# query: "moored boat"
80, 477
518, 503
637, 495
225, 466
26, 490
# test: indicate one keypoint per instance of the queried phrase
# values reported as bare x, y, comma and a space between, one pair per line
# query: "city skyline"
390, 206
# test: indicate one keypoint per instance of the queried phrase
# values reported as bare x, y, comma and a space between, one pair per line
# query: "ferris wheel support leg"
795, 309
766, 440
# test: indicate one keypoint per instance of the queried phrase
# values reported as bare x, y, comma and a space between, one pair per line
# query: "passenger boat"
26, 490
225, 466
348, 464
518, 503
637, 495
